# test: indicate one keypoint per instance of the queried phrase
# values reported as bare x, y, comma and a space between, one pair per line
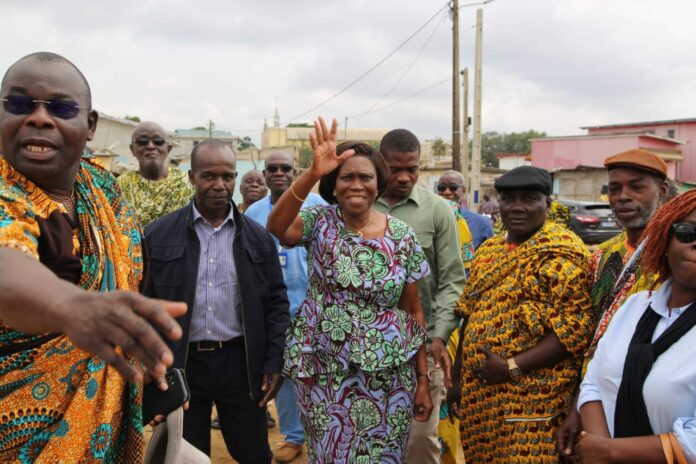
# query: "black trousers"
220, 376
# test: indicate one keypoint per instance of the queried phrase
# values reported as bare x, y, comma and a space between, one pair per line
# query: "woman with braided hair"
638, 398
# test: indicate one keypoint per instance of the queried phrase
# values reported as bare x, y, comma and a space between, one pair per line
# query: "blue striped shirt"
216, 309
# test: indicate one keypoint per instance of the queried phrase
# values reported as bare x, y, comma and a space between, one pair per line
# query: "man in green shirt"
434, 222
154, 189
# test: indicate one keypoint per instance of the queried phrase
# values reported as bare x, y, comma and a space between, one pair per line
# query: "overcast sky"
549, 65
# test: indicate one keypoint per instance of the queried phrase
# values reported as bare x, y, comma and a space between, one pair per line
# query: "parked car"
593, 222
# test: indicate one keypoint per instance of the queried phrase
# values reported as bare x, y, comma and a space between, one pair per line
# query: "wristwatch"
514, 369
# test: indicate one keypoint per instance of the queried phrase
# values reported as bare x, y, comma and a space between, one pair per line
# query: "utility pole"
456, 123
211, 125
476, 147
465, 134
345, 130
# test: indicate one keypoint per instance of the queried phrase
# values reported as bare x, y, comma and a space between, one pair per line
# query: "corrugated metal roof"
646, 123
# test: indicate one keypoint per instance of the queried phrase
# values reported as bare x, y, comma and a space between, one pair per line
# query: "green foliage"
493, 143
439, 148
305, 158
199, 128
299, 124
245, 143
132, 118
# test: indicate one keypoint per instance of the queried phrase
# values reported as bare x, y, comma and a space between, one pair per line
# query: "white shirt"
670, 388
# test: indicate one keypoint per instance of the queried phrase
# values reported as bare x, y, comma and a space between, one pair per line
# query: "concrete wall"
580, 185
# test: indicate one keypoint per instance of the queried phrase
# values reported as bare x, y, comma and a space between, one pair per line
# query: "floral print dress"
349, 347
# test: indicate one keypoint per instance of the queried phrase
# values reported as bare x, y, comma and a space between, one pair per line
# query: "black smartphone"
156, 401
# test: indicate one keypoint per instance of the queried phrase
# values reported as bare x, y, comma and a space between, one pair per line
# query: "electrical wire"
415, 94
475, 4
408, 69
366, 73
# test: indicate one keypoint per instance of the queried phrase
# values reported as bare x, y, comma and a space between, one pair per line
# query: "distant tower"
265, 124
276, 118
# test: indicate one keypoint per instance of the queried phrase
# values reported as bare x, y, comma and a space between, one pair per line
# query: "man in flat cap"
529, 322
637, 188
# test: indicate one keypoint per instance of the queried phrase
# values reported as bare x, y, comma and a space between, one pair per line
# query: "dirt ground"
219, 453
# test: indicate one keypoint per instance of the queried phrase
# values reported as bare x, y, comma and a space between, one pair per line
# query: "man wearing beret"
528, 323
637, 188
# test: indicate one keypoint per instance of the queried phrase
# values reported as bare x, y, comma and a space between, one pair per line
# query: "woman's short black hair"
327, 184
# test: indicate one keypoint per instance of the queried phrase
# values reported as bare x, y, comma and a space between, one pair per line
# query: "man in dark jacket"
226, 268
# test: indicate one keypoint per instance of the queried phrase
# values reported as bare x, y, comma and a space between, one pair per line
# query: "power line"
415, 94
475, 4
408, 69
366, 73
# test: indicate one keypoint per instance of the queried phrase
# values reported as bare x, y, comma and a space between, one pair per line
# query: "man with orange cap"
637, 187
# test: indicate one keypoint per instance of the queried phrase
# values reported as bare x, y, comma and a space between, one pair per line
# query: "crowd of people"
388, 322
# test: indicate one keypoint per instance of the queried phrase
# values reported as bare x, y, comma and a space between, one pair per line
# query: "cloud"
550, 65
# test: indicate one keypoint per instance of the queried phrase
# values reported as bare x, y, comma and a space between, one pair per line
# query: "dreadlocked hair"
658, 233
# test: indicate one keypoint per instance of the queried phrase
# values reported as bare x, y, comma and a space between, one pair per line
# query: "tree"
300, 124
132, 118
245, 143
199, 128
305, 158
439, 148
493, 143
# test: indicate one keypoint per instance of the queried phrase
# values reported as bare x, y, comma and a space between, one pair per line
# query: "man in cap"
528, 322
155, 189
637, 187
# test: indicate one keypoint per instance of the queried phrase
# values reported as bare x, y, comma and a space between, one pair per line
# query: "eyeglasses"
452, 187
144, 141
685, 233
273, 168
22, 104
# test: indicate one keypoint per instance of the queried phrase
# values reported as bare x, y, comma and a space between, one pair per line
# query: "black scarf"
631, 415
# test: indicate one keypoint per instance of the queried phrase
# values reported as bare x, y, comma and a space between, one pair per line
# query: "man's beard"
644, 215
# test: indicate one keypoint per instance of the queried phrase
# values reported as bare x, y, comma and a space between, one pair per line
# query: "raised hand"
323, 143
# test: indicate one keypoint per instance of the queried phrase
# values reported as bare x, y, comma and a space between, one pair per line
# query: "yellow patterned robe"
514, 297
59, 404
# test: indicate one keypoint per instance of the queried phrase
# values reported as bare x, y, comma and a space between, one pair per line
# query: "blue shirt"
216, 309
292, 260
479, 226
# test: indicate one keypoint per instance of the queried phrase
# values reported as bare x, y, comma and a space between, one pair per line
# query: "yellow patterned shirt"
515, 296
152, 199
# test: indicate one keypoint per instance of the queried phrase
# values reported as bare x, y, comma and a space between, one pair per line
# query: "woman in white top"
638, 398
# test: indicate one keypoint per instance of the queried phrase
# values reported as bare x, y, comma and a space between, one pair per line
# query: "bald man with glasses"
155, 189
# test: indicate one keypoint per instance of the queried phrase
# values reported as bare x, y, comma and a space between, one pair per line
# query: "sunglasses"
21, 104
452, 187
275, 168
144, 141
685, 233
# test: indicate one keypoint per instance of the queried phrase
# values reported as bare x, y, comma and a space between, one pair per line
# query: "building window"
670, 133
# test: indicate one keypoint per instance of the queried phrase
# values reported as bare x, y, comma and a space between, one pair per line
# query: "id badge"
283, 257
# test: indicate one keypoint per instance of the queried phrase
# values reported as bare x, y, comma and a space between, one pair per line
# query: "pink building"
673, 140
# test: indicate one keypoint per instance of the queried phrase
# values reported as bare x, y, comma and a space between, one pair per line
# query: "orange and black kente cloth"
515, 296
57, 402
